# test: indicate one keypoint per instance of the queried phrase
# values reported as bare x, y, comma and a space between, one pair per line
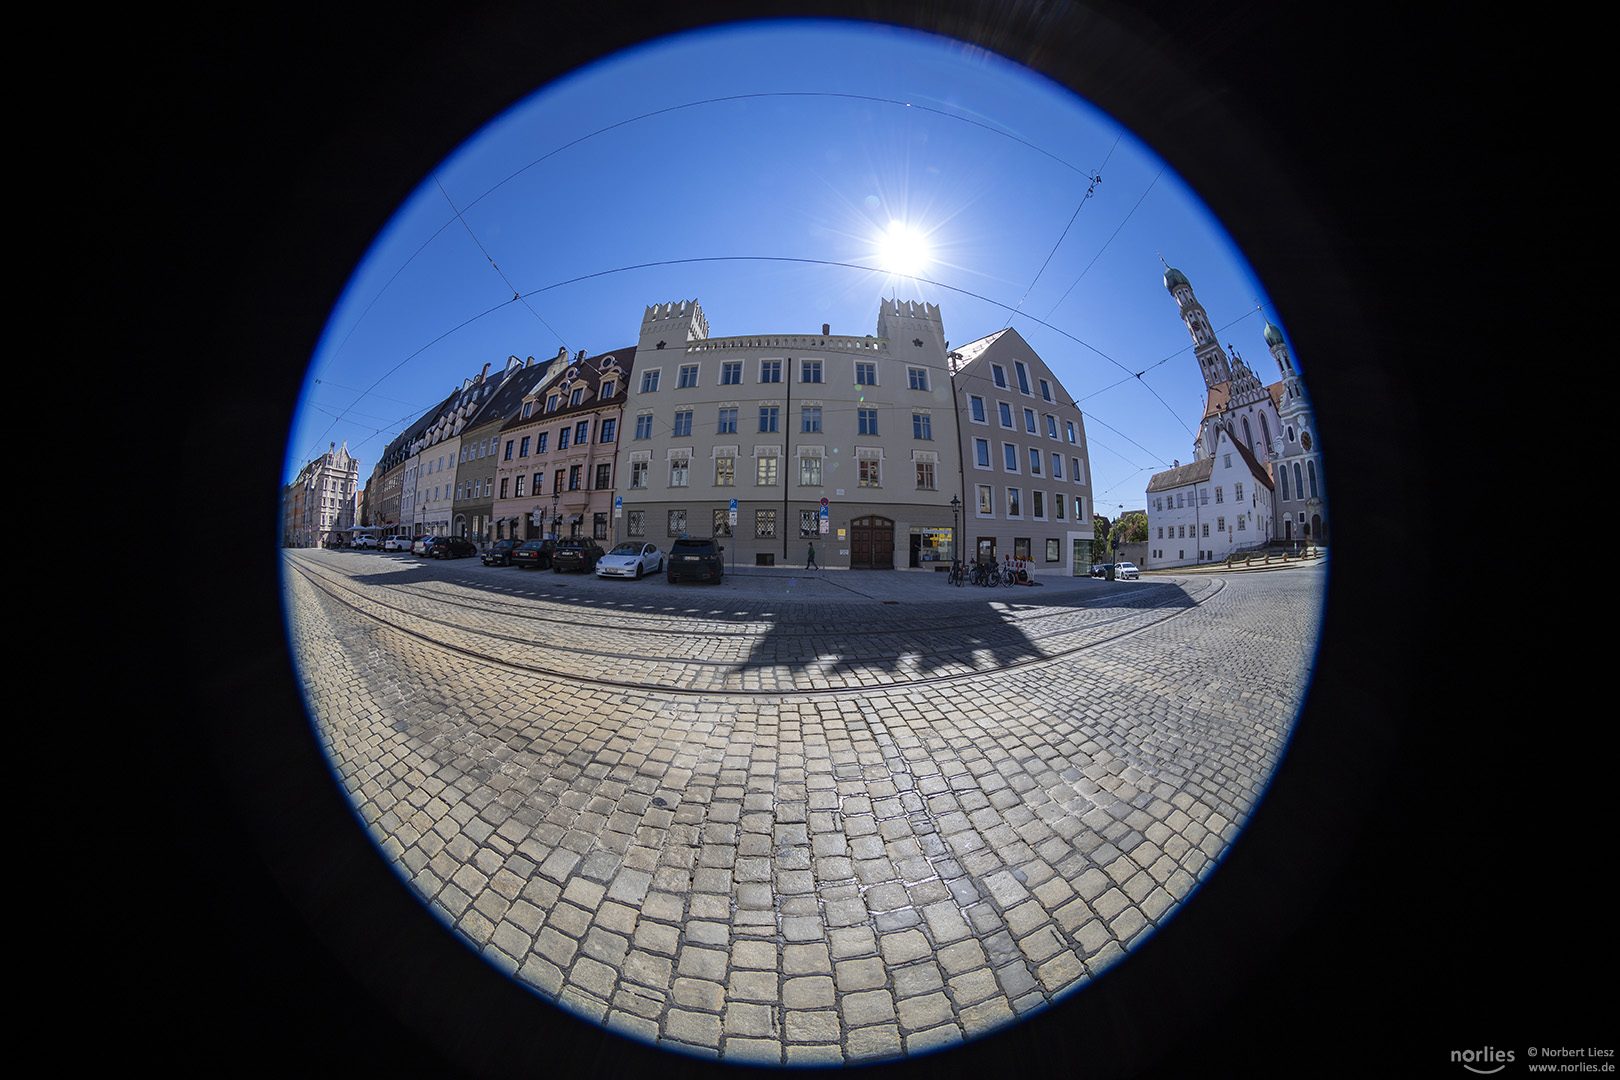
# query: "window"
509, 444
1057, 507
1029, 421
810, 471
636, 522
599, 525
1009, 457
767, 417
770, 371
866, 374
503, 486
688, 375
986, 504
918, 378
1226, 460
609, 429
551, 403
683, 425
1034, 462
644, 427
921, 426
1014, 507
1051, 426
679, 471
562, 439
528, 406
810, 371
810, 419
604, 475
976, 409
577, 396
582, 432
809, 524
765, 472
868, 421
1057, 466
638, 474
1023, 376
1220, 523
1237, 492
608, 390
677, 523
575, 477
523, 447
1074, 474
722, 523
925, 476
518, 490
1006, 414
649, 381
1206, 530
731, 373
1046, 390
1037, 503
999, 375
764, 524
981, 453
725, 471
869, 473
541, 441
556, 481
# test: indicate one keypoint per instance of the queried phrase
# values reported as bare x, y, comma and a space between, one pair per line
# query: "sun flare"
902, 250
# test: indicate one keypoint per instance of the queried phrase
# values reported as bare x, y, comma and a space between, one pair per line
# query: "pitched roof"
1182, 475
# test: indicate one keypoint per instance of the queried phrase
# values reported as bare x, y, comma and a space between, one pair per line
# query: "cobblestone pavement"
743, 824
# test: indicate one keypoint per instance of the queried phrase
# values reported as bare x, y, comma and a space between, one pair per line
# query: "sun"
902, 250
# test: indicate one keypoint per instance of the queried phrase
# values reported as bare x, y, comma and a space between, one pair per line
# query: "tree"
1131, 528
1100, 526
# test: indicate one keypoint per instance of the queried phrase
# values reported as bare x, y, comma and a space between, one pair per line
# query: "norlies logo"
1488, 1056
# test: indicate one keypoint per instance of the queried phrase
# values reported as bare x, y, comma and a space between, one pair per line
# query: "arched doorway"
871, 543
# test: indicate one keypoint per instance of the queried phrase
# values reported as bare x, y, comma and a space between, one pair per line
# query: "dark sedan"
449, 547
533, 554
499, 553
576, 555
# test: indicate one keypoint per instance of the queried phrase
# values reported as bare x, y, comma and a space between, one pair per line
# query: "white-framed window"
865, 374
917, 377
810, 371
577, 396
921, 426
768, 417
976, 410
986, 500
810, 419
688, 375
728, 422
868, 421
981, 453
679, 472
1051, 426
1015, 506
765, 471
870, 474
1006, 414
1057, 466
1009, 457
999, 375
925, 476
1037, 505
683, 425
770, 371
649, 381
1029, 421
731, 373
810, 471
1069, 424
644, 427
1046, 390
638, 475
725, 471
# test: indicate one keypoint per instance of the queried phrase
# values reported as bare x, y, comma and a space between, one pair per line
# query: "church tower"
1212, 361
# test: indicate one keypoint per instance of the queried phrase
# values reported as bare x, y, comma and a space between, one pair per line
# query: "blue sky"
781, 141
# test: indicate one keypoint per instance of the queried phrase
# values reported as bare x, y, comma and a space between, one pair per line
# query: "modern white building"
1025, 473
839, 441
1212, 508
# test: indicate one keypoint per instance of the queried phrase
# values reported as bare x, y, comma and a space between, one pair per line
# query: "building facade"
557, 463
1210, 509
780, 442
1025, 473
320, 503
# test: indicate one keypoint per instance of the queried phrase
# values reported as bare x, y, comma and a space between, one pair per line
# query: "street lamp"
555, 520
956, 506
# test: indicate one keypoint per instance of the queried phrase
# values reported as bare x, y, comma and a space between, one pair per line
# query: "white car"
631, 559
1126, 571
364, 543
397, 543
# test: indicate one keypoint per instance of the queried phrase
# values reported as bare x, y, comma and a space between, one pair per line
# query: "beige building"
1025, 472
775, 442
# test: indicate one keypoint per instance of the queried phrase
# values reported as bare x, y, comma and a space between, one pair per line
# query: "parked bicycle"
957, 576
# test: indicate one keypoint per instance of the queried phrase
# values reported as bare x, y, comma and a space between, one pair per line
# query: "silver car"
1126, 571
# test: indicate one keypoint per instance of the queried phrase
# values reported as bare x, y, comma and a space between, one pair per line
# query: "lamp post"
956, 507
555, 520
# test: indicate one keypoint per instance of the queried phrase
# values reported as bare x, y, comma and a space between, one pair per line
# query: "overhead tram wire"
1096, 178
1110, 240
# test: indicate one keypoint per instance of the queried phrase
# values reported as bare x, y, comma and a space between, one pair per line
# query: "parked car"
578, 554
364, 543
499, 553
534, 554
1101, 569
419, 545
696, 557
631, 559
1126, 571
397, 543
449, 547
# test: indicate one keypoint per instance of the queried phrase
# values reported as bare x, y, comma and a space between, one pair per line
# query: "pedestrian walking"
811, 565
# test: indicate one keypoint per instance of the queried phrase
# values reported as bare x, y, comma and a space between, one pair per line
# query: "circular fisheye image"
804, 543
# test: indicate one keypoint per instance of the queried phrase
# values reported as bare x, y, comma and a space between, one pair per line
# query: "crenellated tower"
914, 329
672, 325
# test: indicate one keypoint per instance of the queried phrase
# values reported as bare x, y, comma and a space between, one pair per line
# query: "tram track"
763, 657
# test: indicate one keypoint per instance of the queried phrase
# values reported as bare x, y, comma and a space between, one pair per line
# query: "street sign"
618, 506
732, 513
824, 504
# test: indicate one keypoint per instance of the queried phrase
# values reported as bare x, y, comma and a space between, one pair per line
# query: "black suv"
576, 555
696, 557
449, 547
